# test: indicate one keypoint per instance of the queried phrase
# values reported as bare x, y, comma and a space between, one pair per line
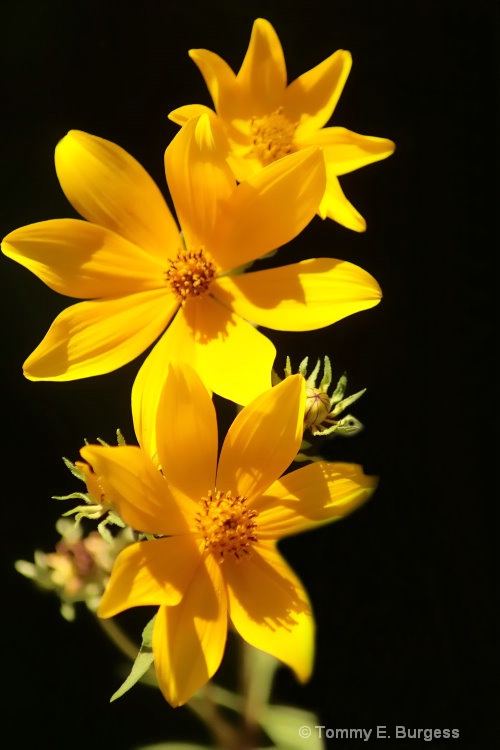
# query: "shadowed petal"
199, 180
311, 496
109, 187
138, 491
271, 208
150, 573
263, 439
84, 260
301, 296
334, 205
232, 358
345, 151
262, 76
270, 609
92, 338
189, 639
312, 97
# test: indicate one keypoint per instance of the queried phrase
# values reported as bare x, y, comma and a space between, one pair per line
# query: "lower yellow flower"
217, 523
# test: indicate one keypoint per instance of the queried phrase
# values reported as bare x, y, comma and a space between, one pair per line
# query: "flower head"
140, 275
216, 523
266, 119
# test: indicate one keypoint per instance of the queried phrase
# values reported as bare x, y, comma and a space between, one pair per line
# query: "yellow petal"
199, 180
92, 338
301, 296
84, 260
150, 573
110, 188
271, 208
334, 205
262, 76
311, 98
231, 357
263, 439
346, 151
182, 114
219, 78
189, 639
270, 609
311, 496
186, 432
136, 489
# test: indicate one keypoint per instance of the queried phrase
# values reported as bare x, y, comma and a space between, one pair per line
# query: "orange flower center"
317, 407
190, 274
227, 525
272, 136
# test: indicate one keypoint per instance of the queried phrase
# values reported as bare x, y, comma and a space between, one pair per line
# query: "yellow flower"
266, 119
215, 560
140, 275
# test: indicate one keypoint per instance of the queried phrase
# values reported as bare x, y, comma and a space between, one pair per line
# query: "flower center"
272, 136
227, 525
190, 274
317, 407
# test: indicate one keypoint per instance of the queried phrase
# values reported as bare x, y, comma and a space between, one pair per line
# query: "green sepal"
142, 663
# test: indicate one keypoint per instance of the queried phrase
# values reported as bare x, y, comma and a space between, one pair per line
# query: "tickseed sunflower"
266, 119
139, 275
214, 559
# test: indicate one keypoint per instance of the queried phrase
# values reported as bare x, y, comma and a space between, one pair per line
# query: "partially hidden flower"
216, 522
139, 275
266, 119
79, 567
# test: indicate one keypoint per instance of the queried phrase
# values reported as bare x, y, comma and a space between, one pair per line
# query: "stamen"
272, 136
190, 274
227, 525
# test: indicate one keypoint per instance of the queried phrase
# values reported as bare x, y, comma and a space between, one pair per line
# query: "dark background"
404, 589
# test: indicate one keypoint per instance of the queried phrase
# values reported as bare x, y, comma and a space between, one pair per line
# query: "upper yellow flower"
140, 274
219, 521
266, 119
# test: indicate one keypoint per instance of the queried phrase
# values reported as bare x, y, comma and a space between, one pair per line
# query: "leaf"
288, 728
142, 663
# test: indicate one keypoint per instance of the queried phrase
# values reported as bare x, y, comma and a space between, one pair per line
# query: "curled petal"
263, 439
109, 187
93, 338
182, 114
311, 98
83, 260
150, 573
301, 296
189, 639
219, 78
270, 609
312, 496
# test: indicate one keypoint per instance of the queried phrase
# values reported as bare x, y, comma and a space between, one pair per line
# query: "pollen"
272, 136
227, 525
317, 408
190, 274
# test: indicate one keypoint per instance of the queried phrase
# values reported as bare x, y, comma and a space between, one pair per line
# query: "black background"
403, 589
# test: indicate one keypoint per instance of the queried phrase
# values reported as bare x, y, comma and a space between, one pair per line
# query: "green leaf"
142, 663
173, 746
288, 727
